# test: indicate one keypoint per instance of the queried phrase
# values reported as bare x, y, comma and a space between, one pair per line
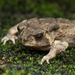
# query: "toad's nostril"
24, 41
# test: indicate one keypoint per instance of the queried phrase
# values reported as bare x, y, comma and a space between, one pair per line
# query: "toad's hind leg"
11, 33
56, 48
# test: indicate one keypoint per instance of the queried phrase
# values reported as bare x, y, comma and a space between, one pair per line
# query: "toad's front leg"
11, 33
56, 48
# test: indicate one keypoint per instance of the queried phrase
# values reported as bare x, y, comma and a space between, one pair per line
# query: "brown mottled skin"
45, 34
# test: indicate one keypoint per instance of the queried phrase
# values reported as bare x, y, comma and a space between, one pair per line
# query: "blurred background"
25, 9
14, 11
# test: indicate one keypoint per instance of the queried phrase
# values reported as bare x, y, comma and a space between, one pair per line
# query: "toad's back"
66, 32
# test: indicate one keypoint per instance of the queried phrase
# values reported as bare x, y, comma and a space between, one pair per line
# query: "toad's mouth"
44, 48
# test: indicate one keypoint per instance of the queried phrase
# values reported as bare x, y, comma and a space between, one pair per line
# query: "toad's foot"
45, 58
9, 37
56, 48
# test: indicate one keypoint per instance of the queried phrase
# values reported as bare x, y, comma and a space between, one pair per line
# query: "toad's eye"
38, 36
